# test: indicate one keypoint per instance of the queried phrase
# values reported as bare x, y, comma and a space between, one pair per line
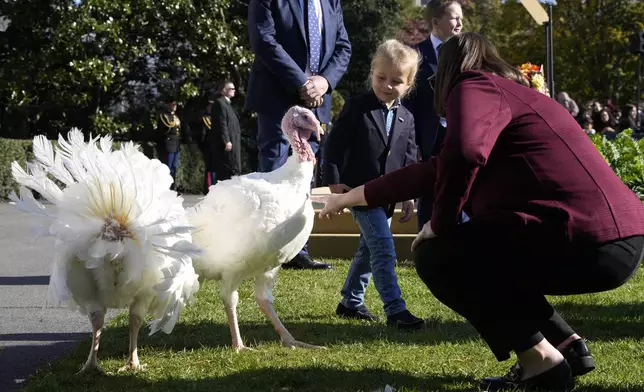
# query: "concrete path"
31, 337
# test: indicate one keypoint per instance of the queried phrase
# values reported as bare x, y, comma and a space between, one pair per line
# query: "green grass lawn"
447, 356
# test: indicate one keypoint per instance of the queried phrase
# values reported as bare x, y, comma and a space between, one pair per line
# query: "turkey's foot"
91, 367
132, 366
97, 318
240, 347
292, 343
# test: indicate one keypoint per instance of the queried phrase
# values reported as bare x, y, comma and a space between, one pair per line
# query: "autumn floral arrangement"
535, 76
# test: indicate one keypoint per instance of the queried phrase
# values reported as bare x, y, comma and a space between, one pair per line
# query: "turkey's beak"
318, 132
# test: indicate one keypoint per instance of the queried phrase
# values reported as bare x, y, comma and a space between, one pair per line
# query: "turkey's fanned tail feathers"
175, 292
45, 155
36, 180
26, 202
116, 216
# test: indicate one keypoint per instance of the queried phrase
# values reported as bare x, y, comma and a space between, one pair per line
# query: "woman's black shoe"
405, 321
578, 356
558, 379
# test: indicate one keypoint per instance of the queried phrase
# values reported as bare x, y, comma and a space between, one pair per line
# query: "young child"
587, 125
374, 135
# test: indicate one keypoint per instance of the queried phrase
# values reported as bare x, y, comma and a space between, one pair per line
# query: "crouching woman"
548, 215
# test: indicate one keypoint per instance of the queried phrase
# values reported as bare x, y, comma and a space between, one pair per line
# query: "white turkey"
122, 238
248, 226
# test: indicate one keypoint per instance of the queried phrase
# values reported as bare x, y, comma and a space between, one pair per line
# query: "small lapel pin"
401, 119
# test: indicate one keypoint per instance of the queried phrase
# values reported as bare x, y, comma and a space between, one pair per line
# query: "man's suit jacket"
514, 155
225, 129
358, 150
278, 37
429, 133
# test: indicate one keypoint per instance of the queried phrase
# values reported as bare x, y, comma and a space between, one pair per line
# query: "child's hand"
339, 188
408, 211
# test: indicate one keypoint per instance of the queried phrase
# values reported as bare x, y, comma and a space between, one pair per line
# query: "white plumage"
122, 238
250, 225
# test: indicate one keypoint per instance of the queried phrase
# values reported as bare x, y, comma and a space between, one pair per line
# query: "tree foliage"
368, 23
103, 65
590, 42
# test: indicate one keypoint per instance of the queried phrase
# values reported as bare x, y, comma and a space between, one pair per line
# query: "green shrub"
11, 150
191, 173
626, 157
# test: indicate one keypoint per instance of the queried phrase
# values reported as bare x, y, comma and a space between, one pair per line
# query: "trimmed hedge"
11, 150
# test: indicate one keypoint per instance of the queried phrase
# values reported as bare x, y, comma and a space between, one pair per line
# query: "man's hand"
314, 88
339, 188
229, 146
315, 103
408, 211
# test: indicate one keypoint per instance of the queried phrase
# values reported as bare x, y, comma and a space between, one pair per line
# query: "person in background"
587, 126
169, 131
502, 161
224, 139
205, 124
446, 20
374, 135
302, 50
571, 106
606, 124
629, 119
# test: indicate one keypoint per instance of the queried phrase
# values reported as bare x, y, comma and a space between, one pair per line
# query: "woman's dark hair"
626, 112
469, 52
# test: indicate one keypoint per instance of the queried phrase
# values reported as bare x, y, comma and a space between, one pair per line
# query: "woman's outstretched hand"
333, 204
425, 234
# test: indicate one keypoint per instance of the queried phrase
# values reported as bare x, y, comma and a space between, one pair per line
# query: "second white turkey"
248, 226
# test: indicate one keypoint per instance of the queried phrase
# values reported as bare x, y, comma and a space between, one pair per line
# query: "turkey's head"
298, 125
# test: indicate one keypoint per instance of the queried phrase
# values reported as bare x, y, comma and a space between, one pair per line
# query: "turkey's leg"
264, 296
136, 319
97, 318
230, 297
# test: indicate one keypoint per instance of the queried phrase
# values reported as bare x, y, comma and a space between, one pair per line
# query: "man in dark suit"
225, 135
169, 133
446, 19
301, 52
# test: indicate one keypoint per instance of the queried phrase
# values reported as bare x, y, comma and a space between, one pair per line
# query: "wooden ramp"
338, 237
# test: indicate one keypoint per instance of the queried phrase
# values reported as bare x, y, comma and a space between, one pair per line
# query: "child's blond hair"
399, 55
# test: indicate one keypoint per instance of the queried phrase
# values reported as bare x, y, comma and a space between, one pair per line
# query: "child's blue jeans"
375, 256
